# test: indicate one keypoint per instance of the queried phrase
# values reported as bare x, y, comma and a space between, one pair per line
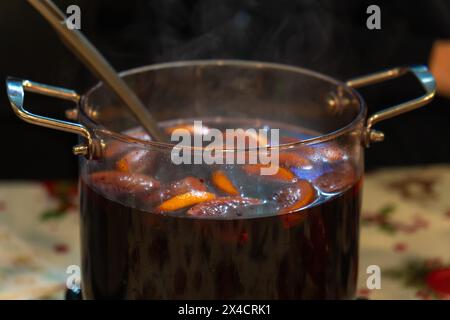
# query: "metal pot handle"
16, 94
422, 74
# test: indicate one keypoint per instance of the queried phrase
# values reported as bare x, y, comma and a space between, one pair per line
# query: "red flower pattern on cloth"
415, 187
439, 281
431, 277
61, 248
66, 195
363, 292
447, 214
383, 219
400, 247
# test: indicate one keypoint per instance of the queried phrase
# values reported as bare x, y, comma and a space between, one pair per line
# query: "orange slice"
185, 200
221, 181
250, 138
291, 159
134, 161
225, 206
176, 188
121, 184
189, 127
296, 196
116, 148
282, 173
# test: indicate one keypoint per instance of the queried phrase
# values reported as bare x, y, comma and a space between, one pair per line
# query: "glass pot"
154, 228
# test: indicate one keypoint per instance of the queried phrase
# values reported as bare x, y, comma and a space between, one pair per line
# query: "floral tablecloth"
405, 232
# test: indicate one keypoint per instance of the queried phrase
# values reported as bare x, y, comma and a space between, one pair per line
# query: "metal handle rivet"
376, 136
80, 150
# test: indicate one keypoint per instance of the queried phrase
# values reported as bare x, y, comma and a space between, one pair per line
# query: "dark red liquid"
131, 254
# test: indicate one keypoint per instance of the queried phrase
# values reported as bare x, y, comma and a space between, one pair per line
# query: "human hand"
440, 66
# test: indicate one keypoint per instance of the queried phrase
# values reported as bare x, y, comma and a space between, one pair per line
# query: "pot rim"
96, 127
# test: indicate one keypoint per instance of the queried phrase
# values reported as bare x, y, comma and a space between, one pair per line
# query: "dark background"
327, 36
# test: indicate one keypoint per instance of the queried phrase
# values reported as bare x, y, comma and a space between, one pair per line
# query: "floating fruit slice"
330, 153
175, 188
120, 183
341, 177
293, 159
281, 174
116, 148
194, 130
333, 153
185, 200
295, 196
223, 207
189, 128
223, 183
137, 161
249, 138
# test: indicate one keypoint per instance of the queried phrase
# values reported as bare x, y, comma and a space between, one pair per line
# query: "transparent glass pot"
152, 227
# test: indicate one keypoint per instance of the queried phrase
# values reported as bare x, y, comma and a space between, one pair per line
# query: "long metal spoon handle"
94, 60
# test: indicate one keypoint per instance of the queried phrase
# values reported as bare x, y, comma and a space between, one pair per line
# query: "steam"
324, 35
292, 32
